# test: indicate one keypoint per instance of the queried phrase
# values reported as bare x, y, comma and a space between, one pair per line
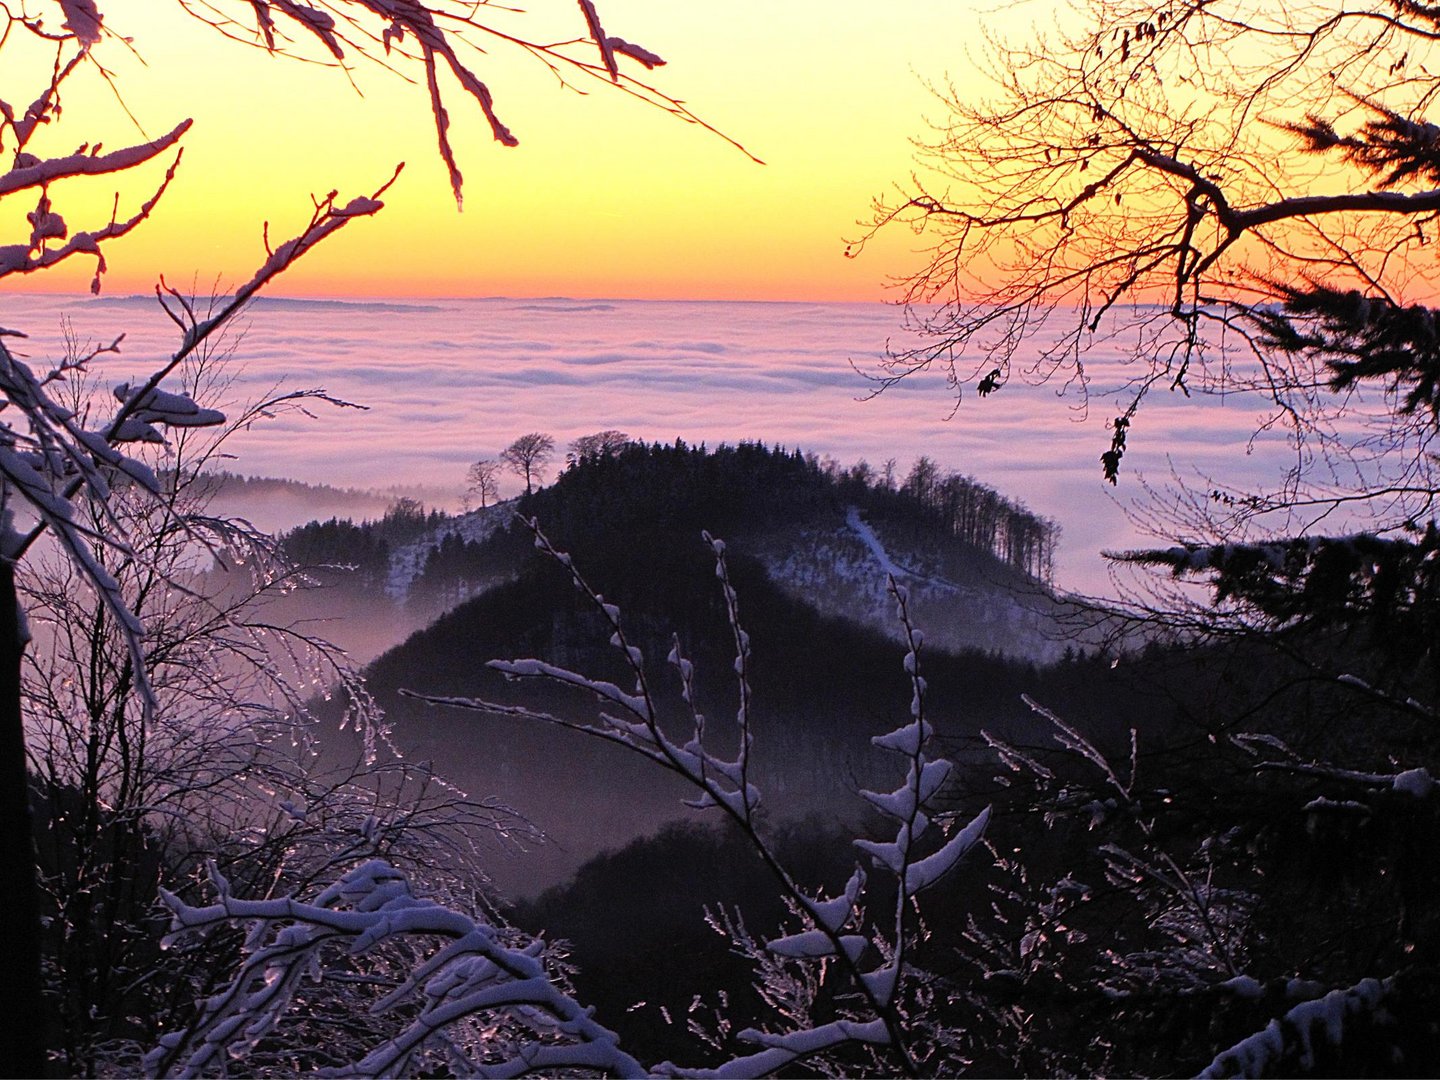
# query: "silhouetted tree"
528, 455
481, 482
923, 477
1088, 200
601, 444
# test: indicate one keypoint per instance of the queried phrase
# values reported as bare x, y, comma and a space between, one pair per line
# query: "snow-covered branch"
29, 171
475, 969
1296, 1034
440, 36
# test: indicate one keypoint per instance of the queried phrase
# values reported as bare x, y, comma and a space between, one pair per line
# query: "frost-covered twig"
1417, 782
722, 782
909, 806
1196, 917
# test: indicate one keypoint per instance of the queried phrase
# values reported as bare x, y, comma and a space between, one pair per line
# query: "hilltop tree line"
983, 518
961, 505
616, 496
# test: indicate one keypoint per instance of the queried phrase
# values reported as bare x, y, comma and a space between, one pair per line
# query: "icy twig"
1197, 913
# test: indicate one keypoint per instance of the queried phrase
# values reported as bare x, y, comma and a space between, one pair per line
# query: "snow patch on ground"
407, 562
889, 566
842, 572
871, 541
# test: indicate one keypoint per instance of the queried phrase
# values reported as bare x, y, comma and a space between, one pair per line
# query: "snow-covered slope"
840, 567
407, 561
842, 571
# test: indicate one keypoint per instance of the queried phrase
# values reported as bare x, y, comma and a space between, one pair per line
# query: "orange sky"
604, 197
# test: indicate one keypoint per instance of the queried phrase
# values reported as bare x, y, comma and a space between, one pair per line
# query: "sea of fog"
447, 381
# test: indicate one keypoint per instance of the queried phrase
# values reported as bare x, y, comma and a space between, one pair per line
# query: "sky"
604, 196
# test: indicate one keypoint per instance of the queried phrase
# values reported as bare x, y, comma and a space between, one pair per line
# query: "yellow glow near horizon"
604, 196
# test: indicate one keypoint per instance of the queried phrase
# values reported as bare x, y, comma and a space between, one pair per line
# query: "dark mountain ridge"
828, 536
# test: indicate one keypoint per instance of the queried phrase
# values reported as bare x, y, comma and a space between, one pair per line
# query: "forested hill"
822, 686
750, 488
973, 560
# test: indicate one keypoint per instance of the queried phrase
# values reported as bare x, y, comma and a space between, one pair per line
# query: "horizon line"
83, 295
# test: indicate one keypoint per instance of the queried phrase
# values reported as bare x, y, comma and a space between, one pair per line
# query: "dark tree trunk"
22, 1043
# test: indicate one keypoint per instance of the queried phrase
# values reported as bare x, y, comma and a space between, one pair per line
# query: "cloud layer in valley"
448, 381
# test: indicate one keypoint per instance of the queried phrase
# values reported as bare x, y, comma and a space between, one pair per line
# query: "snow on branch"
42, 108
910, 806
607, 51
82, 19
1274, 755
785, 1050
1296, 1033
474, 969
438, 31
48, 225
29, 171
441, 34
326, 219
50, 239
45, 465
722, 782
